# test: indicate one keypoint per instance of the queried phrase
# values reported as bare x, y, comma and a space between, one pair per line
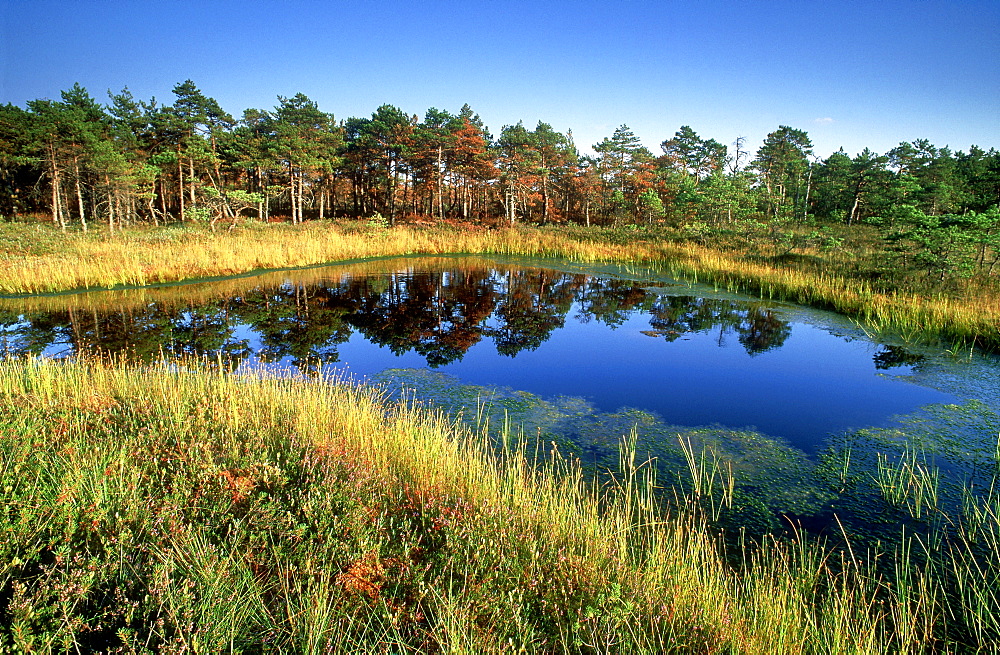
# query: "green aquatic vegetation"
834, 467
896, 509
981, 516
782, 476
932, 529
960, 439
910, 482
712, 480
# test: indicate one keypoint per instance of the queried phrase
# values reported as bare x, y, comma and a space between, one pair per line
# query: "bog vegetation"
853, 279
180, 509
183, 509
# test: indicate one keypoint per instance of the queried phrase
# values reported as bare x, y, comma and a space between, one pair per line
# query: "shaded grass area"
37, 259
188, 510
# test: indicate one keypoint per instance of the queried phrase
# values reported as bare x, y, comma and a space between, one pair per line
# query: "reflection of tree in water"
758, 329
208, 331
436, 314
143, 334
762, 330
439, 315
32, 335
534, 304
304, 323
610, 304
893, 356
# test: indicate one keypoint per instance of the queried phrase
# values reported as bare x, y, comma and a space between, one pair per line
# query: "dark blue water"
813, 385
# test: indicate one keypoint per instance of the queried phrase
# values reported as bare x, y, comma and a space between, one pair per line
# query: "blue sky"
852, 74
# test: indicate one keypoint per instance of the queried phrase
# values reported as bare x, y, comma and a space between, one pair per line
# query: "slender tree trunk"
291, 193
180, 183
79, 194
857, 202
322, 203
854, 208
58, 217
795, 200
267, 197
393, 181
545, 199
466, 199
191, 180
354, 195
260, 205
300, 181
110, 195
163, 200
440, 183
152, 211
111, 207
805, 204
404, 205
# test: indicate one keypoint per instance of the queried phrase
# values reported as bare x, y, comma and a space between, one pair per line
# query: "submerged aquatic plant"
712, 481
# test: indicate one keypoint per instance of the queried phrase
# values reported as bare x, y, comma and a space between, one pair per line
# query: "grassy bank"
193, 511
37, 259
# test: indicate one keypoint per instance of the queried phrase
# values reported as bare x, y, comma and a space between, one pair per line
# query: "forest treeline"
132, 161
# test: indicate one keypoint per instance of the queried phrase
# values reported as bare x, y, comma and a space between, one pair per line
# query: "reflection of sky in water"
816, 383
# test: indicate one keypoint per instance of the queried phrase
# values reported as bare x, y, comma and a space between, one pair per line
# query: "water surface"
685, 353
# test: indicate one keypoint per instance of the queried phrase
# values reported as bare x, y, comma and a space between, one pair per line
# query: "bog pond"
808, 413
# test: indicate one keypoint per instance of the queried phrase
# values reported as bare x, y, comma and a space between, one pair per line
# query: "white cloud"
823, 121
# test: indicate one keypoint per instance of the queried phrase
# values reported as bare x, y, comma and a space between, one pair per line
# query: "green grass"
183, 509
